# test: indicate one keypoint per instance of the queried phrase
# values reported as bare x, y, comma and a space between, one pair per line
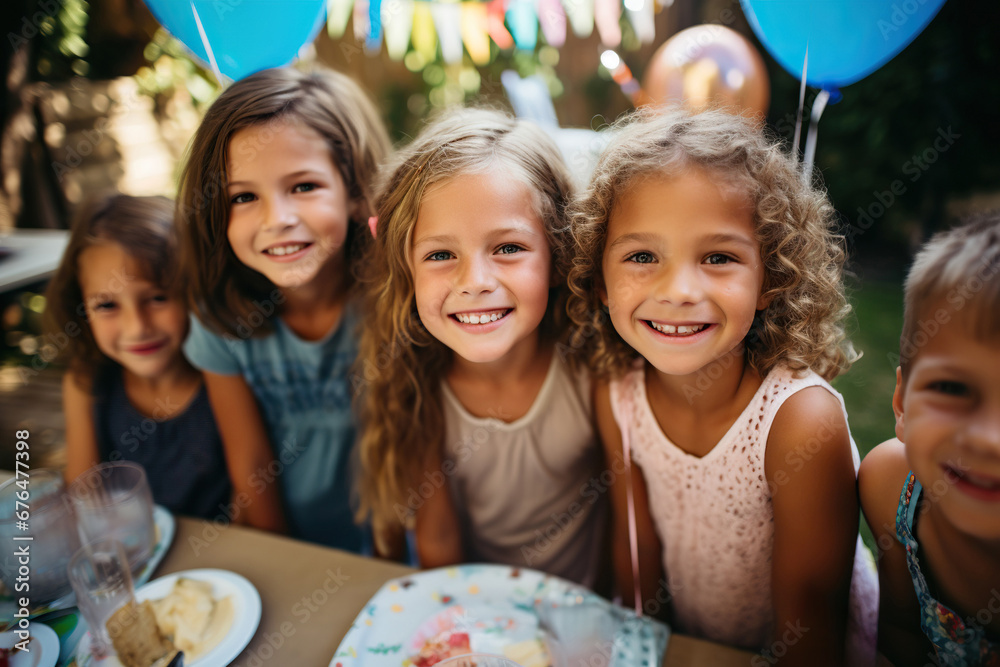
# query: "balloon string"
633, 541
207, 45
802, 104
818, 105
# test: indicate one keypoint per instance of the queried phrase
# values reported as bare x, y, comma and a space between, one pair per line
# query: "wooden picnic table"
312, 594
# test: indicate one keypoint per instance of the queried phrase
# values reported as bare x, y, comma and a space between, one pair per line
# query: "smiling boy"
932, 496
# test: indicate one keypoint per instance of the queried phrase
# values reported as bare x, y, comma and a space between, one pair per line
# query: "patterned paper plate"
494, 605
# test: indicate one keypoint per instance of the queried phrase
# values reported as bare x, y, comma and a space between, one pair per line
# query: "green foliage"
171, 68
62, 50
867, 388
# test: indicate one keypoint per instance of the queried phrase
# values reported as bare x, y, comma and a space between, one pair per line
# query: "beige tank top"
529, 493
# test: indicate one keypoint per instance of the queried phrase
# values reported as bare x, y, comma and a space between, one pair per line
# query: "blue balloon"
848, 39
245, 36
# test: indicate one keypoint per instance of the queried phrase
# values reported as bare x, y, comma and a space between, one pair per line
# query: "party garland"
507, 23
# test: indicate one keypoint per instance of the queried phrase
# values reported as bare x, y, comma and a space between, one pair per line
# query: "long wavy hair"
143, 227
401, 365
220, 289
794, 224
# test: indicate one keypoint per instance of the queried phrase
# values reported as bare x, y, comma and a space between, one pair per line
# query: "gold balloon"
708, 66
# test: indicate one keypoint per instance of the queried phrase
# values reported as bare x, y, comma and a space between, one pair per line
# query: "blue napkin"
582, 628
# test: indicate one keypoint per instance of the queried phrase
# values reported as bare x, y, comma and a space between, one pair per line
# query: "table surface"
301, 623
30, 255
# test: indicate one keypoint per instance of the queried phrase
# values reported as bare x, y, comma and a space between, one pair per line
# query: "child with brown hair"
274, 204
129, 393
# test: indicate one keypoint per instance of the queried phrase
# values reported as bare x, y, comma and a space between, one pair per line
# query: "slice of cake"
447, 644
137, 639
192, 617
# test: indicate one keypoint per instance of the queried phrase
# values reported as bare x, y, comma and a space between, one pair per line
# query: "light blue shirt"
303, 391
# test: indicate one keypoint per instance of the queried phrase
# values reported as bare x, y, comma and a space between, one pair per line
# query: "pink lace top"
715, 520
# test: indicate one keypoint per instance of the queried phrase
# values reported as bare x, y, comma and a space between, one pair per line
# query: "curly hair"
793, 221
400, 364
143, 227
220, 288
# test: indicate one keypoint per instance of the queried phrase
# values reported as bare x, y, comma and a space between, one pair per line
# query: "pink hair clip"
372, 224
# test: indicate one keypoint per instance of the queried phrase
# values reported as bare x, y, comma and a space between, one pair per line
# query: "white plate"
43, 648
246, 616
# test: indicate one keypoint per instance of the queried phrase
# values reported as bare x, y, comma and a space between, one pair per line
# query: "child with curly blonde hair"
707, 292
475, 429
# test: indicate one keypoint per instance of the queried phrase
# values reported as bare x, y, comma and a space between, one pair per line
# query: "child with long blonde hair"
274, 203
707, 293
475, 429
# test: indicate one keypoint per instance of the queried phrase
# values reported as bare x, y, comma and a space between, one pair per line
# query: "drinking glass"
102, 580
477, 660
54, 539
113, 501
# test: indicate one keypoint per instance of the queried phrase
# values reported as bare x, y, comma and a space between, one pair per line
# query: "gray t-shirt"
528, 493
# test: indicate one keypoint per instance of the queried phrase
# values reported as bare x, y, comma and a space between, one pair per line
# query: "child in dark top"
129, 393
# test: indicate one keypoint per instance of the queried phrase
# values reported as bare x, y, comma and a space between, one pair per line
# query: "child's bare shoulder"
806, 423
880, 479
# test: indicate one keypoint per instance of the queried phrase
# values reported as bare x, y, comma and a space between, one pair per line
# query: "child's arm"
810, 472
81, 439
656, 600
248, 451
438, 534
880, 481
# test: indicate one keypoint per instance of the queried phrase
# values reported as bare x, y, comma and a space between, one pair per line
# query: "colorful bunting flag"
360, 19
523, 22
552, 18
448, 23
424, 36
338, 13
495, 25
475, 32
581, 16
607, 14
640, 15
397, 22
374, 41
508, 23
